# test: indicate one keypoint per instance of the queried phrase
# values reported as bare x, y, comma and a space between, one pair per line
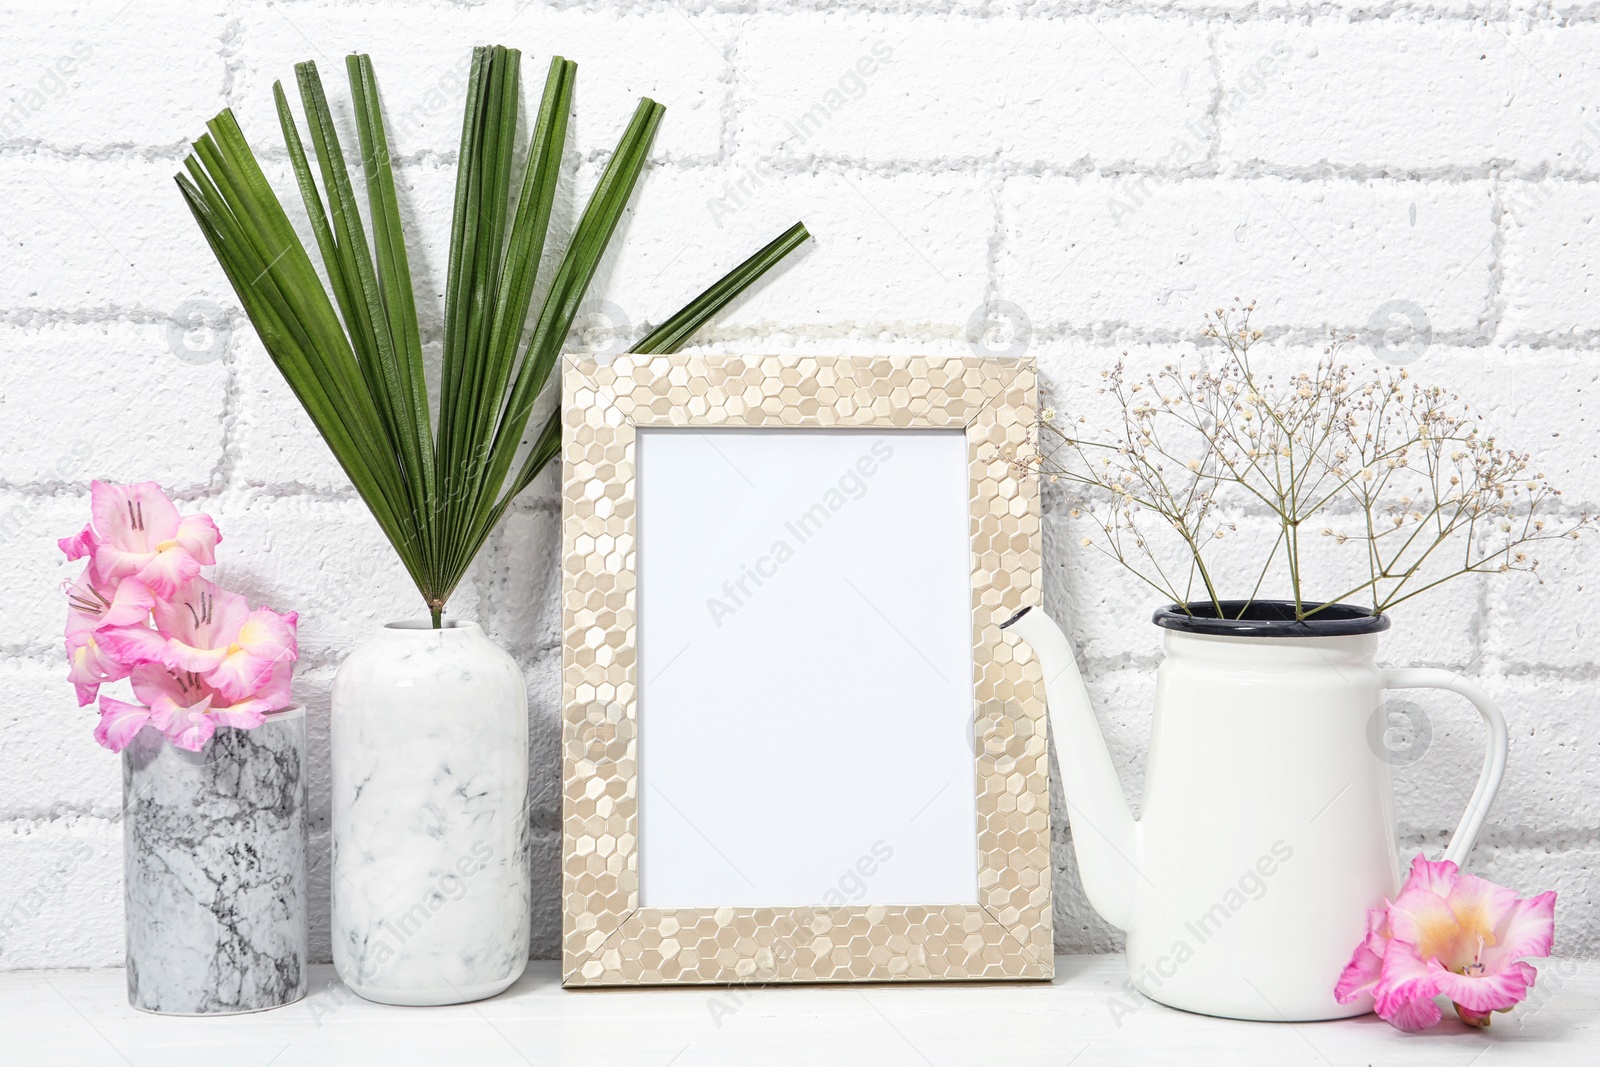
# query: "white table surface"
82, 1019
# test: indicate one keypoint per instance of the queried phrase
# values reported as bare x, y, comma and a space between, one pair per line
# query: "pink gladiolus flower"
213, 632
1448, 933
183, 706
137, 531
100, 606
207, 661
98, 616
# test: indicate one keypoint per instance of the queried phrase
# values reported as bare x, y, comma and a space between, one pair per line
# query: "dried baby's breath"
1400, 470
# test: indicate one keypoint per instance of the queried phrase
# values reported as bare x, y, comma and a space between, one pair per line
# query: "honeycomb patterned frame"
607, 938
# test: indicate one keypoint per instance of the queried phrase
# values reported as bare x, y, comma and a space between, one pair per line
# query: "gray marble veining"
215, 869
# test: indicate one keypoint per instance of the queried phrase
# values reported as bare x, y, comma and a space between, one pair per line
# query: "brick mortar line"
1212, 169
994, 247
45, 318
230, 51
1110, 334
489, 581
254, 489
728, 115
1507, 839
251, 491
273, 153
222, 472
1495, 299
1213, 114
51, 490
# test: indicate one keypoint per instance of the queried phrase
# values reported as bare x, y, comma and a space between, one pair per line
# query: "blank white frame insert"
805, 668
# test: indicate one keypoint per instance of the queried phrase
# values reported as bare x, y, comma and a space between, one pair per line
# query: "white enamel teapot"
1267, 825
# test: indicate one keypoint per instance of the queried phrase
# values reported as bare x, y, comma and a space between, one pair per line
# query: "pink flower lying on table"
198, 656
1449, 933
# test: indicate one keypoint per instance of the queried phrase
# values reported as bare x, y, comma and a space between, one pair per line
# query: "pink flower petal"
111, 512
181, 657
1437, 877
158, 687
80, 544
80, 624
266, 631
190, 728
240, 675
1406, 978
1424, 919
199, 537
1527, 928
277, 692
119, 723
135, 517
1412, 1015
1360, 975
1486, 992
130, 604
133, 645
245, 715
1480, 905
1378, 928
167, 571
89, 665
111, 562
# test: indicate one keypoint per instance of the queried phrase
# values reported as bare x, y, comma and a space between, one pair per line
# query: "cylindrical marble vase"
430, 789
214, 869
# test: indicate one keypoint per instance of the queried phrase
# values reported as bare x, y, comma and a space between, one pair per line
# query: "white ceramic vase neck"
430, 781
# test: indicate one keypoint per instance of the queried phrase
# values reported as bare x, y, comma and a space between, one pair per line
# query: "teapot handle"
1494, 759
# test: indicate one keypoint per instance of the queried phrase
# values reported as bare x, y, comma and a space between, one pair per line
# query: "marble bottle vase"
430, 788
214, 869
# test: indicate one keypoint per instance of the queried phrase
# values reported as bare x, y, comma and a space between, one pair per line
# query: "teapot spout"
1104, 834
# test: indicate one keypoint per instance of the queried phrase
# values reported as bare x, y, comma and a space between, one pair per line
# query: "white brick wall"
1111, 169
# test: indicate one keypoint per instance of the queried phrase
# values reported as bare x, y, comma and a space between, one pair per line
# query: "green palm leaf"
354, 357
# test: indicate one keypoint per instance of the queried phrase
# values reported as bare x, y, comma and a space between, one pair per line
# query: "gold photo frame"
608, 938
